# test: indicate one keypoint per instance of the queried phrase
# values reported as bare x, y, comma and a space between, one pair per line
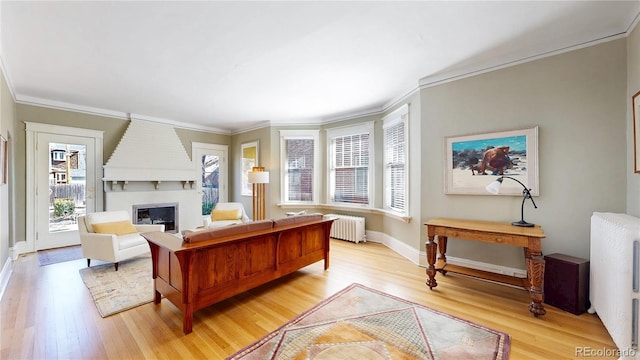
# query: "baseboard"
396, 245
420, 257
5, 275
18, 249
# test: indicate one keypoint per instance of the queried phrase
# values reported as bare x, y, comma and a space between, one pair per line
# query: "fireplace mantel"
121, 185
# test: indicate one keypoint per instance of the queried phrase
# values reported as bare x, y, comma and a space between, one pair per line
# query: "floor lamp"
259, 178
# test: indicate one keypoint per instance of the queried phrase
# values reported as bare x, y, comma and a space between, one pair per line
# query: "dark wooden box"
566, 283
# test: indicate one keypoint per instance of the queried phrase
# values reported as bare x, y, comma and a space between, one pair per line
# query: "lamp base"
522, 223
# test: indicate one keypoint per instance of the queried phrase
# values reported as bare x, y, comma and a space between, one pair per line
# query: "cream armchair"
110, 236
224, 214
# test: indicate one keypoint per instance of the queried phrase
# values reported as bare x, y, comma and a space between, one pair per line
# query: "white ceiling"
229, 66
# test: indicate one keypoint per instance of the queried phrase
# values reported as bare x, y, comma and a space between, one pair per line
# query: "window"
299, 149
61, 178
396, 147
350, 156
58, 155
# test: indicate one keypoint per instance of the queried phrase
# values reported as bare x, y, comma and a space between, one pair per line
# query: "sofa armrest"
142, 228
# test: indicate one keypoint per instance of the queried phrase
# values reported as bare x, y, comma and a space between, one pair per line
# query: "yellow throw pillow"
217, 215
115, 227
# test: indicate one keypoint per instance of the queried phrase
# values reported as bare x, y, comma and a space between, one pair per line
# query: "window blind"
350, 169
395, 166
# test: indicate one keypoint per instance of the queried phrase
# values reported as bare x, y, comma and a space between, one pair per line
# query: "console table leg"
432, 249
535, 273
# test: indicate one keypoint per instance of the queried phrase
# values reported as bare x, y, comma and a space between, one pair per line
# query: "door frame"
224, 168
32, 131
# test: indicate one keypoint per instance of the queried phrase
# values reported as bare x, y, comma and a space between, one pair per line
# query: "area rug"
116, 291
54, 256
362, 323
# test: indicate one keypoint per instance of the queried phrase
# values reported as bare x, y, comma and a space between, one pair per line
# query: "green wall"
578, 100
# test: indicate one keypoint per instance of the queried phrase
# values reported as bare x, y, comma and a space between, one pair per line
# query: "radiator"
349, 228
614, 288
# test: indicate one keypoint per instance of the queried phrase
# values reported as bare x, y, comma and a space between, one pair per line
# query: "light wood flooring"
47, 312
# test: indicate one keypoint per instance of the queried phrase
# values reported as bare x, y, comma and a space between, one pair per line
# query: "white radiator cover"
349, 228
614, 278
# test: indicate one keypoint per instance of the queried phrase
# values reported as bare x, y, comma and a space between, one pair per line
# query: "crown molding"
354, 115
439, 79
633, 25
260, 125
400, 99
60, 105
181, 125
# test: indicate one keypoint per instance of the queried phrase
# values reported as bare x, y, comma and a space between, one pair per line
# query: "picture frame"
4, 159
249, 153
511, 153
635, 109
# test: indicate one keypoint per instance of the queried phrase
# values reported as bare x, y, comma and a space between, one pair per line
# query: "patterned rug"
54, 256
362, 323
116, 291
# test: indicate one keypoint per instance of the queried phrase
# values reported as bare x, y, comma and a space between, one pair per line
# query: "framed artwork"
4, 159
635, 101
249, 152
474, 161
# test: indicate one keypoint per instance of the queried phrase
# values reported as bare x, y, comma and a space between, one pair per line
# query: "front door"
65, 188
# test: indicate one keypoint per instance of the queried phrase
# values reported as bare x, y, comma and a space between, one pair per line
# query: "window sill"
366, 210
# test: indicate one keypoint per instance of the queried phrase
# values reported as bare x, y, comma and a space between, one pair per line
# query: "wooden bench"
205, 268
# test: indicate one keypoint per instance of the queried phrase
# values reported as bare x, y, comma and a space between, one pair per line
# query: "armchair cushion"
218, 214
235, 211
115, 227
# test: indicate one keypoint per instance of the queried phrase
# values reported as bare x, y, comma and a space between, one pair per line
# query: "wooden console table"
494, 233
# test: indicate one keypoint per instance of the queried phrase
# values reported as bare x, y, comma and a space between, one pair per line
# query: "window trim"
360, 128
300, 134
400, 115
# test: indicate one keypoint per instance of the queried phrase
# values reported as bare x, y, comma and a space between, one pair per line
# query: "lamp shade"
494, 187
258, 177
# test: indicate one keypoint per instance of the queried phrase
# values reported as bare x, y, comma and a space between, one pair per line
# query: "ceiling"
232, 66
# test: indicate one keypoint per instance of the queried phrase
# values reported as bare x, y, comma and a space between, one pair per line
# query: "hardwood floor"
47, 312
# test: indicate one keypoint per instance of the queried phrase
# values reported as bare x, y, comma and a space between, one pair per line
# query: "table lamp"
494, 188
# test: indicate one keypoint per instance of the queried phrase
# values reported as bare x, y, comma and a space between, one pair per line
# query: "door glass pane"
67, 182
210, 184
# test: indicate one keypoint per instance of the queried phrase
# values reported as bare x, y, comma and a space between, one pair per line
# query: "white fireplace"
150, 166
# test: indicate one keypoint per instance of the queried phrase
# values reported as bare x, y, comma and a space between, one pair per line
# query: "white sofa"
239, 217
111, 247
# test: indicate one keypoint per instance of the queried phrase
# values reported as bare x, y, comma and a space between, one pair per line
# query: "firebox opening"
166, 214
